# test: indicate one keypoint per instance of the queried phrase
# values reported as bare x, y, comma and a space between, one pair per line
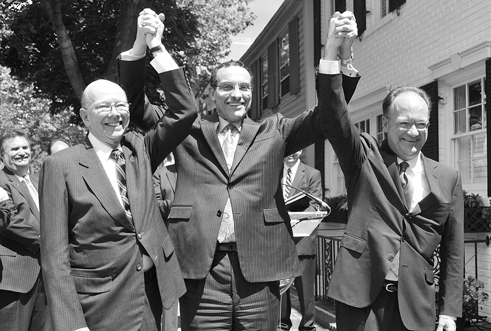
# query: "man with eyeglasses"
402, 205
106, 255
228, 219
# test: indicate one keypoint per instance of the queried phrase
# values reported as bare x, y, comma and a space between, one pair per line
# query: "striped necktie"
117, 155
288, 181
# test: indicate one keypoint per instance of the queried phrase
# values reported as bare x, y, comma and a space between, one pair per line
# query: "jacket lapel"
297, 180
95, 176
247, 135
433, 178
209, 129
24, 191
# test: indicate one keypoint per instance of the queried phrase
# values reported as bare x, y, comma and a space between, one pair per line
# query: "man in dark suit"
228, 219
22, 299
164, 181
307, 179
383, 277
107, 257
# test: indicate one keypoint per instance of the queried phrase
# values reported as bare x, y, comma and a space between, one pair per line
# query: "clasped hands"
150, 27
341, 34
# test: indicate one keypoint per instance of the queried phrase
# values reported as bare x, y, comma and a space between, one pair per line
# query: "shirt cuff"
164, 62
329, 67
448, 316
127, 56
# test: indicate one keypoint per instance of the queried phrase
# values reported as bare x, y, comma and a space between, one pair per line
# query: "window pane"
459, 97
472, 159
475, 93
285, 70
285, 86
265, 69
475, 118
460, 121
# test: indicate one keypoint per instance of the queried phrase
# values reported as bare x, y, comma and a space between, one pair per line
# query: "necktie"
407, 185
32, 191
288, 181
117, 155
228, 147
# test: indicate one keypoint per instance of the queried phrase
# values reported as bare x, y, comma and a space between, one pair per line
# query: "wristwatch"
156, 50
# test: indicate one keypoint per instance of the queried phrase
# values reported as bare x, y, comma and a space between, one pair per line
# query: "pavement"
325, 314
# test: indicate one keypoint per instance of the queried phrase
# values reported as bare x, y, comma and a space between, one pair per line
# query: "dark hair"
230, 63
10, 134
389, 99
56, 140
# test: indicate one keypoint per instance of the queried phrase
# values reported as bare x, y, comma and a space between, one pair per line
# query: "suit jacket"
164, 180
263, 234
19, 240
379, 224
309, 180
91, 252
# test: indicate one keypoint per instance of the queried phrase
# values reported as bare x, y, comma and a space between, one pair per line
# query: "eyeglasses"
229, 87
120, 106
407, 125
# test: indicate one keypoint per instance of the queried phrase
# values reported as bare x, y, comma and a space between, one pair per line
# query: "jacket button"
390, 257
139, 236
138, 267
219, 213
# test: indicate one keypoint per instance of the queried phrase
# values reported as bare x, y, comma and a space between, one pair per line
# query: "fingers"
149, 21
345, 25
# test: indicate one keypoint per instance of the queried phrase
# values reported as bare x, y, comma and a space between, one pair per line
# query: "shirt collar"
223, 123
102, 150
415, 164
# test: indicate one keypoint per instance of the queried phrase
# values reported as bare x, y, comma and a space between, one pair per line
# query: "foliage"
59, 46
472, 200
21, 109
338, 202
473, 297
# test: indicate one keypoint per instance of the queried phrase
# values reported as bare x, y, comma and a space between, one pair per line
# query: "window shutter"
255, 113
360, 11
294, 56
273, 76
317, 32
487, 89
320, 160
394, 4
430, 149
340, 6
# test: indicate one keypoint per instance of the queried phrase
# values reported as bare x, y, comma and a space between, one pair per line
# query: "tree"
21, 110
60, 46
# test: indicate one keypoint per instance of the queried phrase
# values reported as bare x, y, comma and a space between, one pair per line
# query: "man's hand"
341, 34
446, 323
153, 24
149, 31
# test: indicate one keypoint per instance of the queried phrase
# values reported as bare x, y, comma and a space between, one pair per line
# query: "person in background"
57, 145
22, 297
164, 180
107, 257
299, 175
228, 219
402, 205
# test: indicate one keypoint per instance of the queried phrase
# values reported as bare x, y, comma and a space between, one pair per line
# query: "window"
389, 6
380, 130
284, 64
264, 81
363, 126
469, 116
